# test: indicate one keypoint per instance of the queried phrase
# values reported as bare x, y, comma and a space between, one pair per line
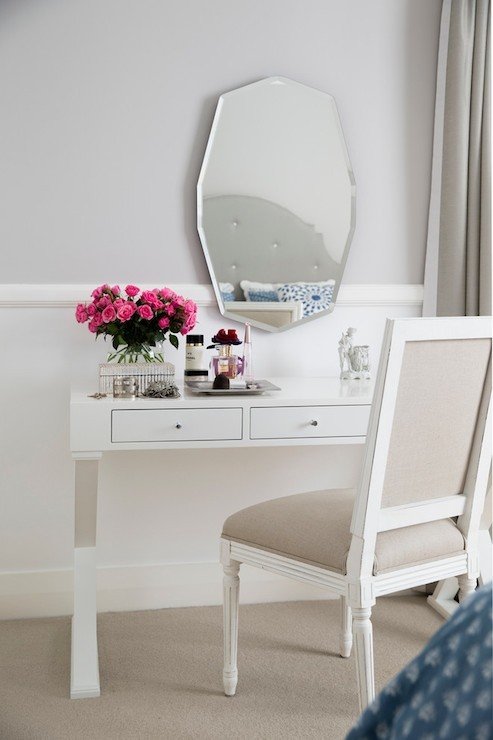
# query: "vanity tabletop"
296, 391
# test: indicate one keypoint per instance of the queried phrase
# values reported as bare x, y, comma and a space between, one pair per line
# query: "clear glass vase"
130, 354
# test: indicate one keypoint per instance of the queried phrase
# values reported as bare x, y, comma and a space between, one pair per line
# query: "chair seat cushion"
314, 528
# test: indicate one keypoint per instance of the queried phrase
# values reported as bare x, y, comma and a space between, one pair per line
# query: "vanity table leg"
84, 677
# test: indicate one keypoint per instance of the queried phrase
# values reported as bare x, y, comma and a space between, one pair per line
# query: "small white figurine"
354, 361
345, 344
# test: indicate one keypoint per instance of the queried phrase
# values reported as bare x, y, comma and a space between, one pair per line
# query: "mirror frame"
210, 143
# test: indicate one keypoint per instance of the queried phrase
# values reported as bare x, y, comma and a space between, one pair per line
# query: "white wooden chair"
427, 459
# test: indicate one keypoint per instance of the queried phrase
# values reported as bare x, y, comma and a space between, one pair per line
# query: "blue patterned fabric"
446, 692
227, 291
259, 292
315, 297
262, 295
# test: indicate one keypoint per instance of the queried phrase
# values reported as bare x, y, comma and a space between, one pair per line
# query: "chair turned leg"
346, 635
363, 642
231, 592
467, 586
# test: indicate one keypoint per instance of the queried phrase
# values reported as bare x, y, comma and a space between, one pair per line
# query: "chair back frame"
369, 517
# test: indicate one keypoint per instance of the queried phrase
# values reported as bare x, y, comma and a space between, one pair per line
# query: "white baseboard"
68, 295
133, 588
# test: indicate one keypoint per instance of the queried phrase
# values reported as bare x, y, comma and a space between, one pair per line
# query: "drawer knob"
314, 423
178, 425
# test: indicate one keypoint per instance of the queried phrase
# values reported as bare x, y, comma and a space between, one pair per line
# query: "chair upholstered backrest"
438, 398
429, 440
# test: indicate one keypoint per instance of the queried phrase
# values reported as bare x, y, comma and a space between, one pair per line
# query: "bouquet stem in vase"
129, 355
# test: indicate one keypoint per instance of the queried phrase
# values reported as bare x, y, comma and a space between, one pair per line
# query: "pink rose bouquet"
137, 320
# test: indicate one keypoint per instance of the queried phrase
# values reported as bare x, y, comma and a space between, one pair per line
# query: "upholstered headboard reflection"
250, 238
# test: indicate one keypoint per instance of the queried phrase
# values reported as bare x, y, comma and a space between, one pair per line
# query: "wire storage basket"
144, 372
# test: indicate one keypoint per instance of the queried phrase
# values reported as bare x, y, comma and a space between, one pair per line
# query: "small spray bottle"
247, 356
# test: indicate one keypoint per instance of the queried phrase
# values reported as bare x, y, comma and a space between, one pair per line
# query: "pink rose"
132, 290
119, 302
178, 301
167, 294
81, 313
188, 325
163, 322
97, 292
97, 319
100, 290
91, 309
103, 302
115, 290
170, 309
126, 311
146, 312
93, 327
190, 307
149, 297
109, 314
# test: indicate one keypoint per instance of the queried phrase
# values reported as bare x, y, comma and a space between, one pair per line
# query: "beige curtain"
458, 253
458, 262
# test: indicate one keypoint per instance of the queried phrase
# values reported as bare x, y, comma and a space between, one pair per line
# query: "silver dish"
256, 389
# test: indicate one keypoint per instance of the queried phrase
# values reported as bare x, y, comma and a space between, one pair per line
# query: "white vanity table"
306, 411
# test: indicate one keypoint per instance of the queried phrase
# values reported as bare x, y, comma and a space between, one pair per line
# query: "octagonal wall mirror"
276, 203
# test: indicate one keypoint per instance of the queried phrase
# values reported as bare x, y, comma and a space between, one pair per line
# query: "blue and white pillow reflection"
227, 291
315, 297
259, 292
263, 296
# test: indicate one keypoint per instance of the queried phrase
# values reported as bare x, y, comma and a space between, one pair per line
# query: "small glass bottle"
195, 359
247, 365
225, 362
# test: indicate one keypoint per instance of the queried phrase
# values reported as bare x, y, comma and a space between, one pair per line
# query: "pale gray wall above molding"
106, 110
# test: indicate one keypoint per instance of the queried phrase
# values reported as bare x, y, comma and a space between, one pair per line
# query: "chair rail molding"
67, 295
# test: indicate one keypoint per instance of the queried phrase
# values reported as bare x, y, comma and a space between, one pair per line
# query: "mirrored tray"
205, 386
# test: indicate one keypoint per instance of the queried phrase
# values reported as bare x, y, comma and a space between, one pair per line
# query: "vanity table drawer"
176, 425
293, 422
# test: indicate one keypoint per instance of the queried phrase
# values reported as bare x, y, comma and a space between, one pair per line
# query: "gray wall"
105, 108
107, 104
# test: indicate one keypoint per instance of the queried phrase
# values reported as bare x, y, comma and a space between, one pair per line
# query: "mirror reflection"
276, 203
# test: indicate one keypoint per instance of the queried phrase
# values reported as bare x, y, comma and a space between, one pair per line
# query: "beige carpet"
160, 673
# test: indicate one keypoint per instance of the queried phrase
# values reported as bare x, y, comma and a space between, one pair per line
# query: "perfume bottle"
225, 362
247, 366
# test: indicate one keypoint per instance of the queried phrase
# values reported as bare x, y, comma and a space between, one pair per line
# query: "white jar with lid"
196, 364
